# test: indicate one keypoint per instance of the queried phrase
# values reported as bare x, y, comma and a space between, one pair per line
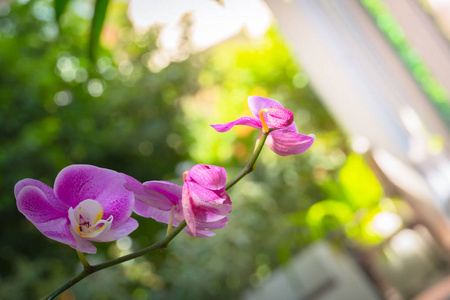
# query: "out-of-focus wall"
373, 92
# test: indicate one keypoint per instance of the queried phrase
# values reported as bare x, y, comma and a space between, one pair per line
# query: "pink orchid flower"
202, 200
283, 138
205, 201
88, 204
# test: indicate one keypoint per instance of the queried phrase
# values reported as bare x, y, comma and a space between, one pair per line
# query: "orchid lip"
86, 219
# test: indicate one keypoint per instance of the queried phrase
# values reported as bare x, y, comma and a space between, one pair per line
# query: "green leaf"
328, 215
337, 209
60, 7
97, 25
360, 185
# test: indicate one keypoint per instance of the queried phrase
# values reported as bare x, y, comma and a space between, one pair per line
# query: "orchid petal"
209, 176
291, 128
246, 121
164, 191
133, 185
157, 194
161, 216
76, 183
200, 233
278, 117
205, 234
83, 245
79, 182
188, 211
206, 199
206, 216
204, 227
285, 143
58, 230
48, 191
256, 103
221, 223
155, 199
33, 203
144, 210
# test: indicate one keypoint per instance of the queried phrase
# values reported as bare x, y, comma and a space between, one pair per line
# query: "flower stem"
83, 260
162, 244
170, 223
250, 166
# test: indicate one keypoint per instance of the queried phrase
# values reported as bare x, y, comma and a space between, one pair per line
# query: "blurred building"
319, 272
382, 67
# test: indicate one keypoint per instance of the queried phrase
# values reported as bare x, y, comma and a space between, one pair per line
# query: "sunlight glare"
212, 22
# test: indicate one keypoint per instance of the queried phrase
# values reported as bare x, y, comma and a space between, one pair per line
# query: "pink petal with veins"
285, 143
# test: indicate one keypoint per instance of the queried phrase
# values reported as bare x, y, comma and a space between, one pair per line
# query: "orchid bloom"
202, 200
272, 117
87, 204
205, 201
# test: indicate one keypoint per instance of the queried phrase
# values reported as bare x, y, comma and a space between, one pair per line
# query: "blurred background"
132, 86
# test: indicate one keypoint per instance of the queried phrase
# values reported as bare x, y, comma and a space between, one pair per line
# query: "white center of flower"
86, 219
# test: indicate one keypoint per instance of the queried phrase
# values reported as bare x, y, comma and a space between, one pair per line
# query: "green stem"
251, 163
170, 224
162, 244
83, 260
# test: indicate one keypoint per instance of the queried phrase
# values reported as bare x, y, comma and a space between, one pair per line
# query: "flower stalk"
162, 244
83, 260
170, 225
250, 166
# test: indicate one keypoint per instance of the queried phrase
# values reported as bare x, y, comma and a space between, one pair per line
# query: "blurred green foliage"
353, 199
125, 112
